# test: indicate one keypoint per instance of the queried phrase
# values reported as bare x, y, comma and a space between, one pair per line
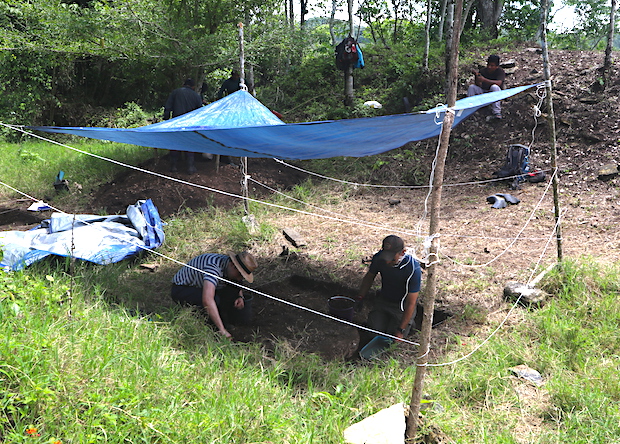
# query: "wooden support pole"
551, 121
244, 160
431, 281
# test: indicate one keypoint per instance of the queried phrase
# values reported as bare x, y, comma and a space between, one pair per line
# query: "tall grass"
32, 166
88, 370
101, 374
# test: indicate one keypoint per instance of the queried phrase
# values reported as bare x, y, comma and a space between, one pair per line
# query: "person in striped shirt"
208, 281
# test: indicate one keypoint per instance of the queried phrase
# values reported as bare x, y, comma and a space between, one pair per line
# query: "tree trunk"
286, 14
396, 9
442, 19
427, 35
551, 122
302, 14
348, 86
348, 73
468, 6
489, 12
331, 21
610, 43
449, 33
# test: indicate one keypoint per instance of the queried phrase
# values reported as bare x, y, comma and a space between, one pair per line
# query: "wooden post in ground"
544, 6
431, 281
244, 160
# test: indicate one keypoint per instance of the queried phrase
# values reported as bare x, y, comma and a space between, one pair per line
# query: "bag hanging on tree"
346, 53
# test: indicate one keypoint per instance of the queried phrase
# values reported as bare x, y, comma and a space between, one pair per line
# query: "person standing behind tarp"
489, 79
180, 101
230, 85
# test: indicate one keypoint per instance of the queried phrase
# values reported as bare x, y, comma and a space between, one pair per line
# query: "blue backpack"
517, 164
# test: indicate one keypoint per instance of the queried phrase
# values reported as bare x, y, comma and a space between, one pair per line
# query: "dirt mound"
215, 187
587, 135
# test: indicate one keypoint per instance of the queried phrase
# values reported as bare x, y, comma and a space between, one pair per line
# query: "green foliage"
131, 115
591, 29
25, 86
520, 21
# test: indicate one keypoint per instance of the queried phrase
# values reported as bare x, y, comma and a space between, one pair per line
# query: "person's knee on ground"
185, 295
474, 90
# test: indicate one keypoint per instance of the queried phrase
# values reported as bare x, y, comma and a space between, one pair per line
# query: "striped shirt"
213, 267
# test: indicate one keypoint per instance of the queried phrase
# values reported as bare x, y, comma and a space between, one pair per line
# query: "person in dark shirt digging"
489, 79
180, 101
401, 278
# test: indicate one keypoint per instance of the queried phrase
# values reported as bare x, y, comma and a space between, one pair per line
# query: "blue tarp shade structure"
239, 125
99, 239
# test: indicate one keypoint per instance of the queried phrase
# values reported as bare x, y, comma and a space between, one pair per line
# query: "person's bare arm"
482, 80
410, 304
477, 78
208, 302
367, 281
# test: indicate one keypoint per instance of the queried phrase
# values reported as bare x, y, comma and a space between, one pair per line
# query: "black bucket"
341, 307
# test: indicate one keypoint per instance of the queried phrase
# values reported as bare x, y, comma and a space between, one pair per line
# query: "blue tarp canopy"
239, 125
99, 239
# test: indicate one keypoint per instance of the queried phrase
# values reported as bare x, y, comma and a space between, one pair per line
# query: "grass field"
77, 366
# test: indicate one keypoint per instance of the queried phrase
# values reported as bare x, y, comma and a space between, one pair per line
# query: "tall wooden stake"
551, 121
431, 282
244, 160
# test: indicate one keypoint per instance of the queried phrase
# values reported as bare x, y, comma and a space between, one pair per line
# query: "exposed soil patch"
14, 216
304, 330
170, 197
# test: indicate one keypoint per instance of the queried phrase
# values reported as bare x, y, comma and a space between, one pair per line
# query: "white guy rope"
501, 324
370, 185
516, 238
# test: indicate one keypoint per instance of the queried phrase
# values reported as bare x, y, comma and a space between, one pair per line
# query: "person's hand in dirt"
239, 303
399, 334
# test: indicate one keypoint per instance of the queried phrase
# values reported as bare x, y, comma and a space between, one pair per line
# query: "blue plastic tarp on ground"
239, 125
99, 239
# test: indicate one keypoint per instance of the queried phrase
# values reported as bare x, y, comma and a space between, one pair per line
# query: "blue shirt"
398, 280
213, 265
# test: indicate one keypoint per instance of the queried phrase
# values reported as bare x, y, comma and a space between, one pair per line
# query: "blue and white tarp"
239, 125
99, 239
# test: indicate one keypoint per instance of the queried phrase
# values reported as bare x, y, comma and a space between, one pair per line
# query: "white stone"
387, 426
373, 104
